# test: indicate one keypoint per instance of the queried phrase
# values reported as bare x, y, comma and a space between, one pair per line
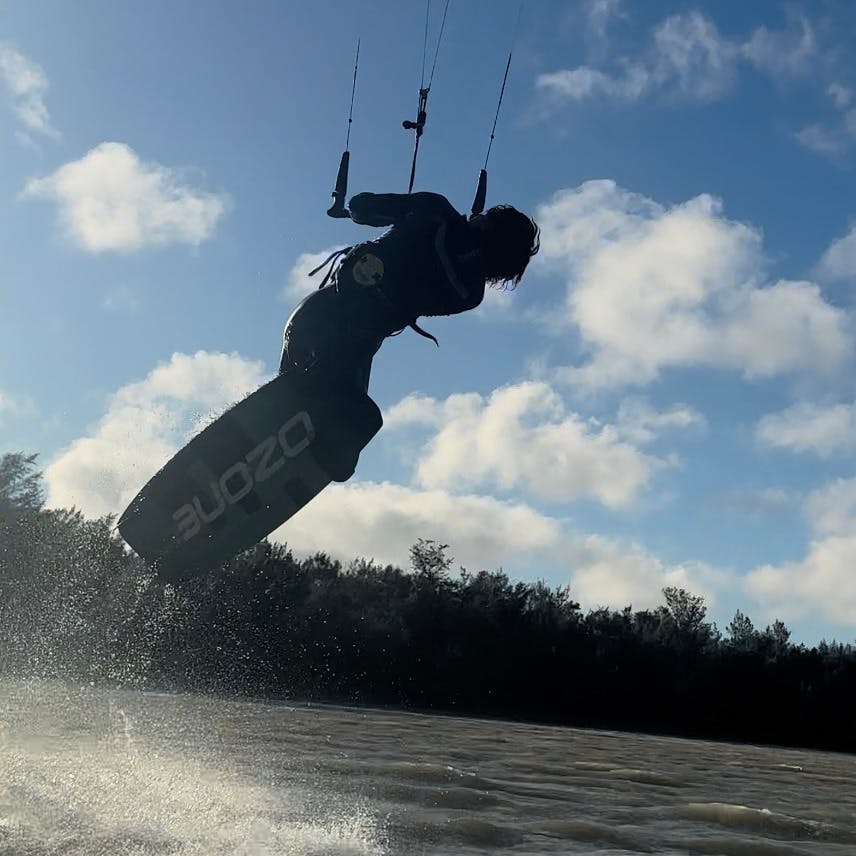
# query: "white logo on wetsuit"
368, 269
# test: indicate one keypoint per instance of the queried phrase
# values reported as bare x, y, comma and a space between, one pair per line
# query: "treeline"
74, 604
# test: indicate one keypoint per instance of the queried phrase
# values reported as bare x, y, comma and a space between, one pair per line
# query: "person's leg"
330, 362
321, 338
309, 332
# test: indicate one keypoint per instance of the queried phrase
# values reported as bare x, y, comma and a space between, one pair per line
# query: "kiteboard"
246, 474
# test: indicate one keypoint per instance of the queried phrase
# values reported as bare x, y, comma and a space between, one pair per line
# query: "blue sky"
666, 399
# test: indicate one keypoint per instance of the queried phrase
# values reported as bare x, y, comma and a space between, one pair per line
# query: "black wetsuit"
428, 263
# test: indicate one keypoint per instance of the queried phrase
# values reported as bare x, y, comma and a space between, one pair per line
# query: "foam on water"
762, 820
645, 777
110, 796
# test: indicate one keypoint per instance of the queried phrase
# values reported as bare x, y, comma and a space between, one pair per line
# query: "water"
85, 771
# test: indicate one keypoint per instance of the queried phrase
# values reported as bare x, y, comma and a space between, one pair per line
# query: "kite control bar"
419, 127
340, 193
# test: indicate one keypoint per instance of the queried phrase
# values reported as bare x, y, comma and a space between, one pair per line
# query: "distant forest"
76, 605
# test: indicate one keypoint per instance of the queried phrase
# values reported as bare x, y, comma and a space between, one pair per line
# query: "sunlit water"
84, 771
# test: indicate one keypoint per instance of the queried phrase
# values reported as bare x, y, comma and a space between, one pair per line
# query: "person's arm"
387, 209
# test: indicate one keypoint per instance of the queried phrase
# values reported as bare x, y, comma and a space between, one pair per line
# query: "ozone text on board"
239, 479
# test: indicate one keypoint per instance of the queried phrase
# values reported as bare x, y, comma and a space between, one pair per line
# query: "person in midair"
432, 261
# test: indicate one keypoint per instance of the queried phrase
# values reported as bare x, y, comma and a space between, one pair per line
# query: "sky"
666, 399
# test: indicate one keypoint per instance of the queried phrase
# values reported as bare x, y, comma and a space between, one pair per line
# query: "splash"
111, 788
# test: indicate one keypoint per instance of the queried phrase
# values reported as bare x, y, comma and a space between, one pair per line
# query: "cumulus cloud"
688, 57
416, 409
638, 422
523, 436
822, 583
832, 139
299, 284
839, 260
111, 200
27, 84
831, 510
608, 573
145, 423
823, 430
382, 520
650, 287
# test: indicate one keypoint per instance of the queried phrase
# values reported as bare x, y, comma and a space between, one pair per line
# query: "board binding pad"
247, 473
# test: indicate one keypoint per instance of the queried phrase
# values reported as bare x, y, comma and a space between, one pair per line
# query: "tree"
429, 561
549, 608
742, 634
688, 612
20, 502
21, 492
775, 639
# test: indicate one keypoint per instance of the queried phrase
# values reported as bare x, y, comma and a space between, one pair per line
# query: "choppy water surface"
84, 771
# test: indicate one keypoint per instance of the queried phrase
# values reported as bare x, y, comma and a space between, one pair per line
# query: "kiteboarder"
432, 261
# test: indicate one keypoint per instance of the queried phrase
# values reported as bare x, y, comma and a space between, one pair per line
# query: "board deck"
245, 474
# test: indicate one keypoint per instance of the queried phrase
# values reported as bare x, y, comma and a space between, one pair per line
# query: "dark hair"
513, 238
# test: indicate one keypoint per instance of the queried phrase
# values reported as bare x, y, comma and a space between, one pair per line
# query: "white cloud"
806, 427
15, 407
577, 84
498, 306
650, 287
608, 573
27, 83
600, 14
638, 422
839, 260
416, 409
767, 328
145, 423
782, 53
821, 584
688, 57
691, 55
832, 508
112, 200
840, 94
382, 521
834, 139
299, 284
523, 437
827, 142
